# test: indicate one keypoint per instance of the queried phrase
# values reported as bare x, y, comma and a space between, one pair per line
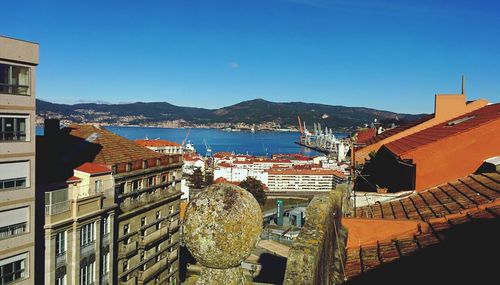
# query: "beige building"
79, 218
303, 179
142, 246
18, 60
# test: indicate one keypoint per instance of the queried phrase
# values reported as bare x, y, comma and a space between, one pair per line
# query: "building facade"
79, 218
123, 226
303, 179
18, 61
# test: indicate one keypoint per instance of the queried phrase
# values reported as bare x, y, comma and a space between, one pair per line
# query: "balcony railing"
174, 225
127, 249
172, 256
154, 236
60, 259
104, 279
57, 208
87, 249
148, 273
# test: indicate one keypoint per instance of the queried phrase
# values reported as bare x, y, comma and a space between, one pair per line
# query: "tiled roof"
112, 147
365, 135
450, 198
156, 143
396, 130
365, 258
449, 128
93, 168
469, 200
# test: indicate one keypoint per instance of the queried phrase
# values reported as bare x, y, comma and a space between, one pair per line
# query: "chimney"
51, 127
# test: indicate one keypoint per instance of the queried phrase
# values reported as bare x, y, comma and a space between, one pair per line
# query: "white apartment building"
18, 61
303, 179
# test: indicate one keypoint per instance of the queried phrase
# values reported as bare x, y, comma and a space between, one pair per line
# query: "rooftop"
113, 148
458, 210
93, 168
447, 129
156, 143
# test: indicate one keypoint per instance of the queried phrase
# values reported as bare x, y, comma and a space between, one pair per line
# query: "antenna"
463, 84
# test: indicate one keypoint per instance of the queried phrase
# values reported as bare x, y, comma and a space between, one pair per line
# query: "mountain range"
256, 111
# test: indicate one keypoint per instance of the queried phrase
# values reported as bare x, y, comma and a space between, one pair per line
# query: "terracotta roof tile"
93, 168
449, 128
476, 197
113, 148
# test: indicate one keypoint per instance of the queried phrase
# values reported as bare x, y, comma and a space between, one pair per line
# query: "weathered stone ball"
222, 225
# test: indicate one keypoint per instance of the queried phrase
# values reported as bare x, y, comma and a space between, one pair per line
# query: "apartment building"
303, 179
18, 61
79, 218
143, 218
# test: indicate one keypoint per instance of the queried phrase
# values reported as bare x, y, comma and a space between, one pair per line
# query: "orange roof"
399, 229
156, 143
447, 129
93, 168
290, 171
110, 147
366, 134
73, 179
396, 130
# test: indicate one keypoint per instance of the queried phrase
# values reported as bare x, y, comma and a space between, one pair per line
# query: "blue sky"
391, 55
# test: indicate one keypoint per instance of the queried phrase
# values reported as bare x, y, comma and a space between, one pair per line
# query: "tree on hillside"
209, 178
255, 187
196, 178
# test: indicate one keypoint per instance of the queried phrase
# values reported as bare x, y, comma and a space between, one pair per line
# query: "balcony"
127, 249
87, 249
131, 281
105, 240
57, 208
153, 270
172, 256
174, 225
61, 260
154, 236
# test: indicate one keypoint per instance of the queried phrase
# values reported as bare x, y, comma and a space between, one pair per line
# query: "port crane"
208, 148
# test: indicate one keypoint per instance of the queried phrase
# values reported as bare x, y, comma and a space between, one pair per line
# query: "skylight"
461, 120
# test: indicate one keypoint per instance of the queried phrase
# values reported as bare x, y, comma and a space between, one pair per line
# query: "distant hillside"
249, 112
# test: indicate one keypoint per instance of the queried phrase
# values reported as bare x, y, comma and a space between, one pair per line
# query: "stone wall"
318, 253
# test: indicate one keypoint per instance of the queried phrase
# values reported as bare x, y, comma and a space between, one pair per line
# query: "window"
158, 216
13, 128
87, 275
14, 222
14, 175
143, 223
125, 266
61, 280
12, 269
87, 234
98, 186
14, 79
105, 225
12, 230
126, 231
105, 263
61, 243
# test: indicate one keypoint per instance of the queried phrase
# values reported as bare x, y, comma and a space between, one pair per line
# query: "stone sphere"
222, 225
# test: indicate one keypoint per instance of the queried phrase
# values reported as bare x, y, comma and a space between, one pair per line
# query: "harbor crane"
208, 148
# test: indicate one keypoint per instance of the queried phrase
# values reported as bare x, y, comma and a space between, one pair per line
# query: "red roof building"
446, 107
437, 154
